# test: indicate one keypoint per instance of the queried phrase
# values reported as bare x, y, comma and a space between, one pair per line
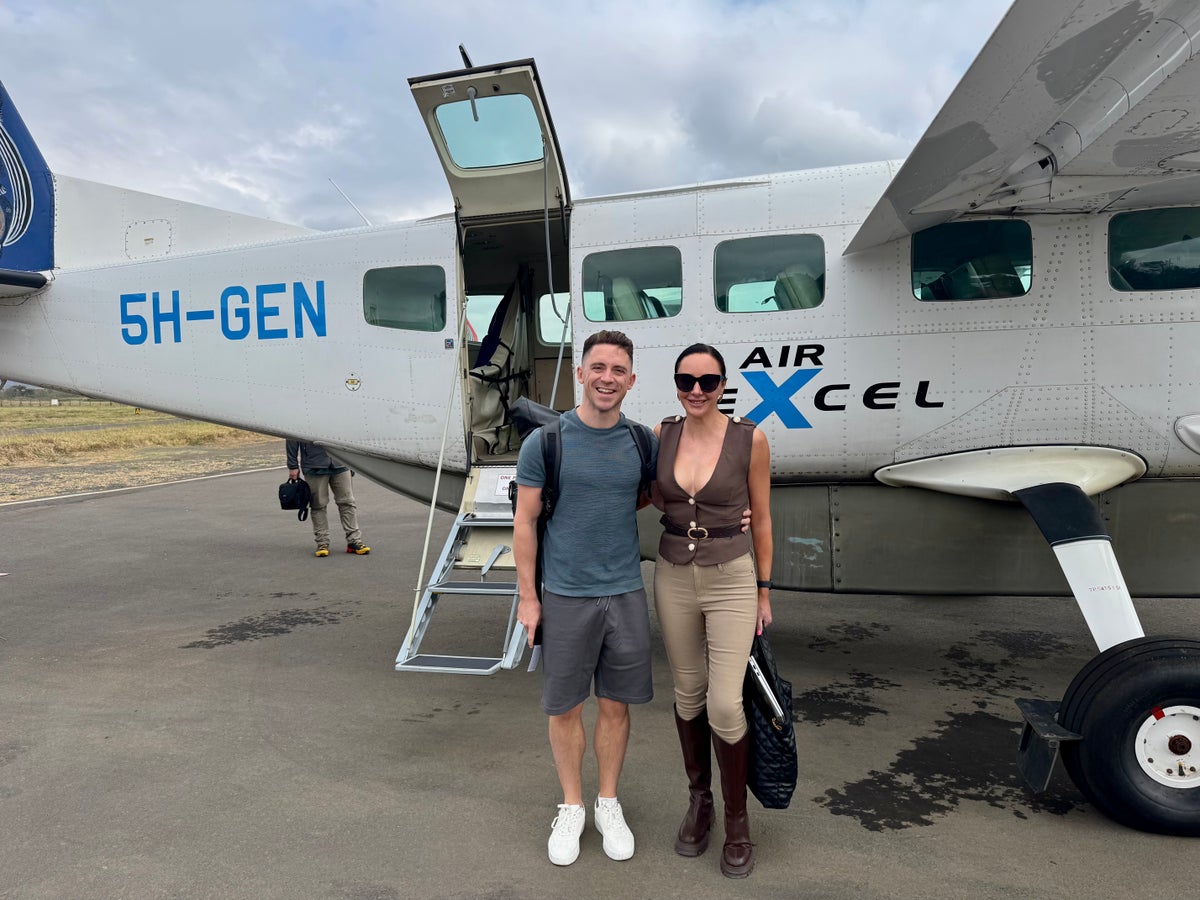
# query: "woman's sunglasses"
708, 383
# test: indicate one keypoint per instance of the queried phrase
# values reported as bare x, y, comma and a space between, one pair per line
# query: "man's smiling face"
606, 374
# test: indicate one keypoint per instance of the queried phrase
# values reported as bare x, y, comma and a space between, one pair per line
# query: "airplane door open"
496, 143
494, 138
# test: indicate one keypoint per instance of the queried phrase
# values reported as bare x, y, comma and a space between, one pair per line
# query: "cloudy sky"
253, 105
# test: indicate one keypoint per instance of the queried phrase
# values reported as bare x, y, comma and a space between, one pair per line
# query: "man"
324, 476
595, 626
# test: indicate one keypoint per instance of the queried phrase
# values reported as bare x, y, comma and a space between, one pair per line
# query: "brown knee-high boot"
737, 856
697, 762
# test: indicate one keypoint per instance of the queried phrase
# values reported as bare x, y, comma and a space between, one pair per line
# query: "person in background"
325, 476
709, 599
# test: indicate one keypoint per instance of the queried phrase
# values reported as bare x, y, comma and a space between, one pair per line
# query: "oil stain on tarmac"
269, 624
969, 756
986, 665
841, 701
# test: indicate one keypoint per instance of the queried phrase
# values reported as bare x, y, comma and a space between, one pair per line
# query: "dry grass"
14, 417
57, 447
49, 451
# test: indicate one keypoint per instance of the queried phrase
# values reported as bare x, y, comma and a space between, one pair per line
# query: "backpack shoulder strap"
641, 438
552, 462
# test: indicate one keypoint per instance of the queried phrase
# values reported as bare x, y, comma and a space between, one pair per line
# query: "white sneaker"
610, 822
564, 839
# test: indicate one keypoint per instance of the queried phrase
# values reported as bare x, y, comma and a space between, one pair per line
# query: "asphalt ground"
193, 706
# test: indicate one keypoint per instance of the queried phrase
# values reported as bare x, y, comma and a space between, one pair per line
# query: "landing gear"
1137, 708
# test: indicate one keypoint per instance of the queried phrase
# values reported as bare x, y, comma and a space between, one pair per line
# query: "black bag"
771, 773
528, 416
295, 494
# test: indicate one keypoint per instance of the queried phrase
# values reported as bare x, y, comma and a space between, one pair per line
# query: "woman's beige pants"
708, 615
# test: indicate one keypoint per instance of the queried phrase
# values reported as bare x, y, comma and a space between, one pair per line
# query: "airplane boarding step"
479, 545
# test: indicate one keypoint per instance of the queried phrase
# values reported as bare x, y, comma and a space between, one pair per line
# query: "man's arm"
293, 458
525, 548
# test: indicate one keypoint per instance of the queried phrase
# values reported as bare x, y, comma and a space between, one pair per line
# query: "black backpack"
295, 494
528, 416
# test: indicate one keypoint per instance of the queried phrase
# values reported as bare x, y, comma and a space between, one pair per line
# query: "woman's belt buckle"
697, 537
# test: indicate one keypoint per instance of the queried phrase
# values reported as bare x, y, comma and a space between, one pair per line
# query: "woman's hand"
764, 609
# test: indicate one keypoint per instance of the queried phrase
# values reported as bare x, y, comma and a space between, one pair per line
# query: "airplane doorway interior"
515, 328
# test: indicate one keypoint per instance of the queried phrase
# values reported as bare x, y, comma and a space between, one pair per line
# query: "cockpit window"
491, 131
1155, 250
628, 285
767, 274
985, 260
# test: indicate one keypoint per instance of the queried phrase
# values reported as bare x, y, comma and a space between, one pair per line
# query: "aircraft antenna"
351, 202
466, 59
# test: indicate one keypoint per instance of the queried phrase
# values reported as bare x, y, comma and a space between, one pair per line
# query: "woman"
710, 468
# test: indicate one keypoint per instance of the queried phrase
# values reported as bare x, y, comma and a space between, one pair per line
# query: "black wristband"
767, 583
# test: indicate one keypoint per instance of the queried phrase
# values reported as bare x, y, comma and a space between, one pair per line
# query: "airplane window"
630, 285
501, 130
408, 297
767, 274
552, 312
983, 260
1155, 250
480, 309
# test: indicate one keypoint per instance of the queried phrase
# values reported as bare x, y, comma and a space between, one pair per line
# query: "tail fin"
26, 196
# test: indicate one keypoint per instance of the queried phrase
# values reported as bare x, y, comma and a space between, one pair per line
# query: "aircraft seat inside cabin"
999, 276
497, 384
795, 288
626, 300
980, 278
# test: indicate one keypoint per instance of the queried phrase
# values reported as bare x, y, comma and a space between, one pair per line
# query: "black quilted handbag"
772, 769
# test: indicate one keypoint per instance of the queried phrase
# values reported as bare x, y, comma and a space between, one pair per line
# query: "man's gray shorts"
602, 638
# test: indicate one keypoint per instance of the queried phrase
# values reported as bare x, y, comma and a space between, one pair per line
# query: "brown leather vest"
719, 503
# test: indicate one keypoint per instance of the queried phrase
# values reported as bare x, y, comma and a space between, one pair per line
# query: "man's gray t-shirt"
592, 540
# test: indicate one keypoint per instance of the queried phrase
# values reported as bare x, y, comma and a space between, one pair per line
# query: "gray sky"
252, 105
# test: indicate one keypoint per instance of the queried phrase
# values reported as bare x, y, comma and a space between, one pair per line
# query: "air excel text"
260, 312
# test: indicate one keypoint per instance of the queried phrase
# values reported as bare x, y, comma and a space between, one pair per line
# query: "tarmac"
194, 706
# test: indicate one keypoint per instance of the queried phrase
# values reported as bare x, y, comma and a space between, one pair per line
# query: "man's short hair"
616, 338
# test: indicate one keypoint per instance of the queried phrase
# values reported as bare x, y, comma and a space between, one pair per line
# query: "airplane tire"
1137, 706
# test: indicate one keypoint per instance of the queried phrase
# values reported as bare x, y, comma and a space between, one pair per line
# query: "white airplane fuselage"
272, 337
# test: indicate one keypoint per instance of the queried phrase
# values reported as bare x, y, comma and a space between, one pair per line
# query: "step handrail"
437, 480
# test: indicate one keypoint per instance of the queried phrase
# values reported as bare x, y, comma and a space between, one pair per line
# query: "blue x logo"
778, 399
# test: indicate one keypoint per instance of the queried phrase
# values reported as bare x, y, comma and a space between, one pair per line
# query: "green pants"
343, 495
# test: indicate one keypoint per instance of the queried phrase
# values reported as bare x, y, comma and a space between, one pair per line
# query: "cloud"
255, 106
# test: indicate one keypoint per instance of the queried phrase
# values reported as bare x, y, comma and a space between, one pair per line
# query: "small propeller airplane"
958, 359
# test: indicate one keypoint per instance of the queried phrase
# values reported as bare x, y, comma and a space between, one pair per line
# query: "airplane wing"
1071, 106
